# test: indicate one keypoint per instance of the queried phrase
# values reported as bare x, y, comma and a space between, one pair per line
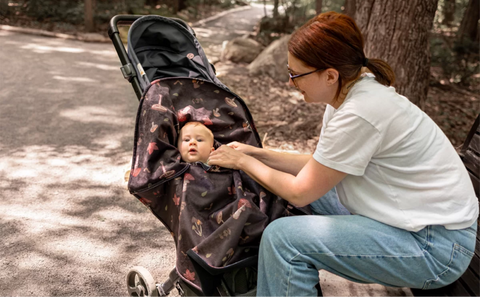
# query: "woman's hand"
227, 157
244, 148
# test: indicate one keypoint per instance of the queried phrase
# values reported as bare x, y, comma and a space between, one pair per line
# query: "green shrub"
4, 8
70, 11
296, 13
105, 10
459, 60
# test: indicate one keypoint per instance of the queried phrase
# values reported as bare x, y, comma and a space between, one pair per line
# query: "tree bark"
151, 3
349, 8
179, 5
275, 8
469, 25
448, 12
89, 15
318, 6
397, 32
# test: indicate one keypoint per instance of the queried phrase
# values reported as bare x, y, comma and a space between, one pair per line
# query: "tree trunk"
318, 6
275, 8
88, 15
448, 12
349, 8
175, 7
151, 3
178, 5
397, 32
469, 25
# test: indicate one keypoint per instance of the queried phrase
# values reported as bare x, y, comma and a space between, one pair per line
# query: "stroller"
215, 215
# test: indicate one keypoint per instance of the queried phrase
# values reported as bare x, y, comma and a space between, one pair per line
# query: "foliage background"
455, 61
453, 100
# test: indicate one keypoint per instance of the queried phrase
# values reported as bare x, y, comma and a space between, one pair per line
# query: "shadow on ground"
68, 224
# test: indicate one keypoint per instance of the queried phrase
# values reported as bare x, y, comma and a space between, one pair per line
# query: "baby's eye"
200, 140
186, 139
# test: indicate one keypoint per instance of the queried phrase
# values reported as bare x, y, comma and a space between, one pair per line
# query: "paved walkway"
213, 34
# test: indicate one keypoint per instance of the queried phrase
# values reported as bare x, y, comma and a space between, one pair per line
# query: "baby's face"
195, 143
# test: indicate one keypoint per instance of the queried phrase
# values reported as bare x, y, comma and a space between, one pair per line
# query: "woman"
413, 206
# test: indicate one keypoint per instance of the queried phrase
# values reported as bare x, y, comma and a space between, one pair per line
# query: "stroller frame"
139, 280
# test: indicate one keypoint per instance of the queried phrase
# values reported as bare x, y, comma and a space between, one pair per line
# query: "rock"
272, 61
241, 50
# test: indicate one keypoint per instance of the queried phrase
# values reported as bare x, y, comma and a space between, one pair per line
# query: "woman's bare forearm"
311, 183
282, 161
300, 189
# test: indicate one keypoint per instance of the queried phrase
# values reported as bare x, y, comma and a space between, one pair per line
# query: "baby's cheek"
182, 150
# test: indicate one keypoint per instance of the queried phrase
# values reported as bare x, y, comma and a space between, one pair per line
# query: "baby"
195, 142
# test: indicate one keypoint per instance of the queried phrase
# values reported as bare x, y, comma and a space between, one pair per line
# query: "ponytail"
382, 71
333, 40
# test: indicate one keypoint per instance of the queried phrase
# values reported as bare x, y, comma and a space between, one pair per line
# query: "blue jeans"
293, 249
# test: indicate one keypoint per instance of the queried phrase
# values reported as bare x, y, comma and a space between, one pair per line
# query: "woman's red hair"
333, 40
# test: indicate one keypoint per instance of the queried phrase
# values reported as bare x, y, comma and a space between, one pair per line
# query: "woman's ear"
332, 76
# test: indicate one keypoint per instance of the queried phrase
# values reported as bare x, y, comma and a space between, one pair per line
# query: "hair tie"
365, 62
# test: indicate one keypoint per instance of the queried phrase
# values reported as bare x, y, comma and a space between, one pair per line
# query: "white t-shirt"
402, 170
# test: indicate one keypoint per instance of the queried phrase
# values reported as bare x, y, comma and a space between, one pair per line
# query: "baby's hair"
196, 124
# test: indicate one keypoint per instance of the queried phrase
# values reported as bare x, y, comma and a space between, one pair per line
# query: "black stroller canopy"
160, 47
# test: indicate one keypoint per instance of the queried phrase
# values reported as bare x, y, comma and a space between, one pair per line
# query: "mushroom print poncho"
215, 215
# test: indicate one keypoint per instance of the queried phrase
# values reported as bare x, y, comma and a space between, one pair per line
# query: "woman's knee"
274, 230
292, 234
278, 233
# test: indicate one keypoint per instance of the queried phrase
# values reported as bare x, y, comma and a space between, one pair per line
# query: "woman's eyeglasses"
293, 76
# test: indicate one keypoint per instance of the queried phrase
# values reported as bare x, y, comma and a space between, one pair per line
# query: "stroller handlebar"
123, 19
127, 69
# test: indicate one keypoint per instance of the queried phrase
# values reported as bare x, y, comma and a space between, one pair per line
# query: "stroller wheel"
140, 283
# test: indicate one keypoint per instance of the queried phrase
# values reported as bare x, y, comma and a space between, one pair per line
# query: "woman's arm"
311, 182
282, 161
